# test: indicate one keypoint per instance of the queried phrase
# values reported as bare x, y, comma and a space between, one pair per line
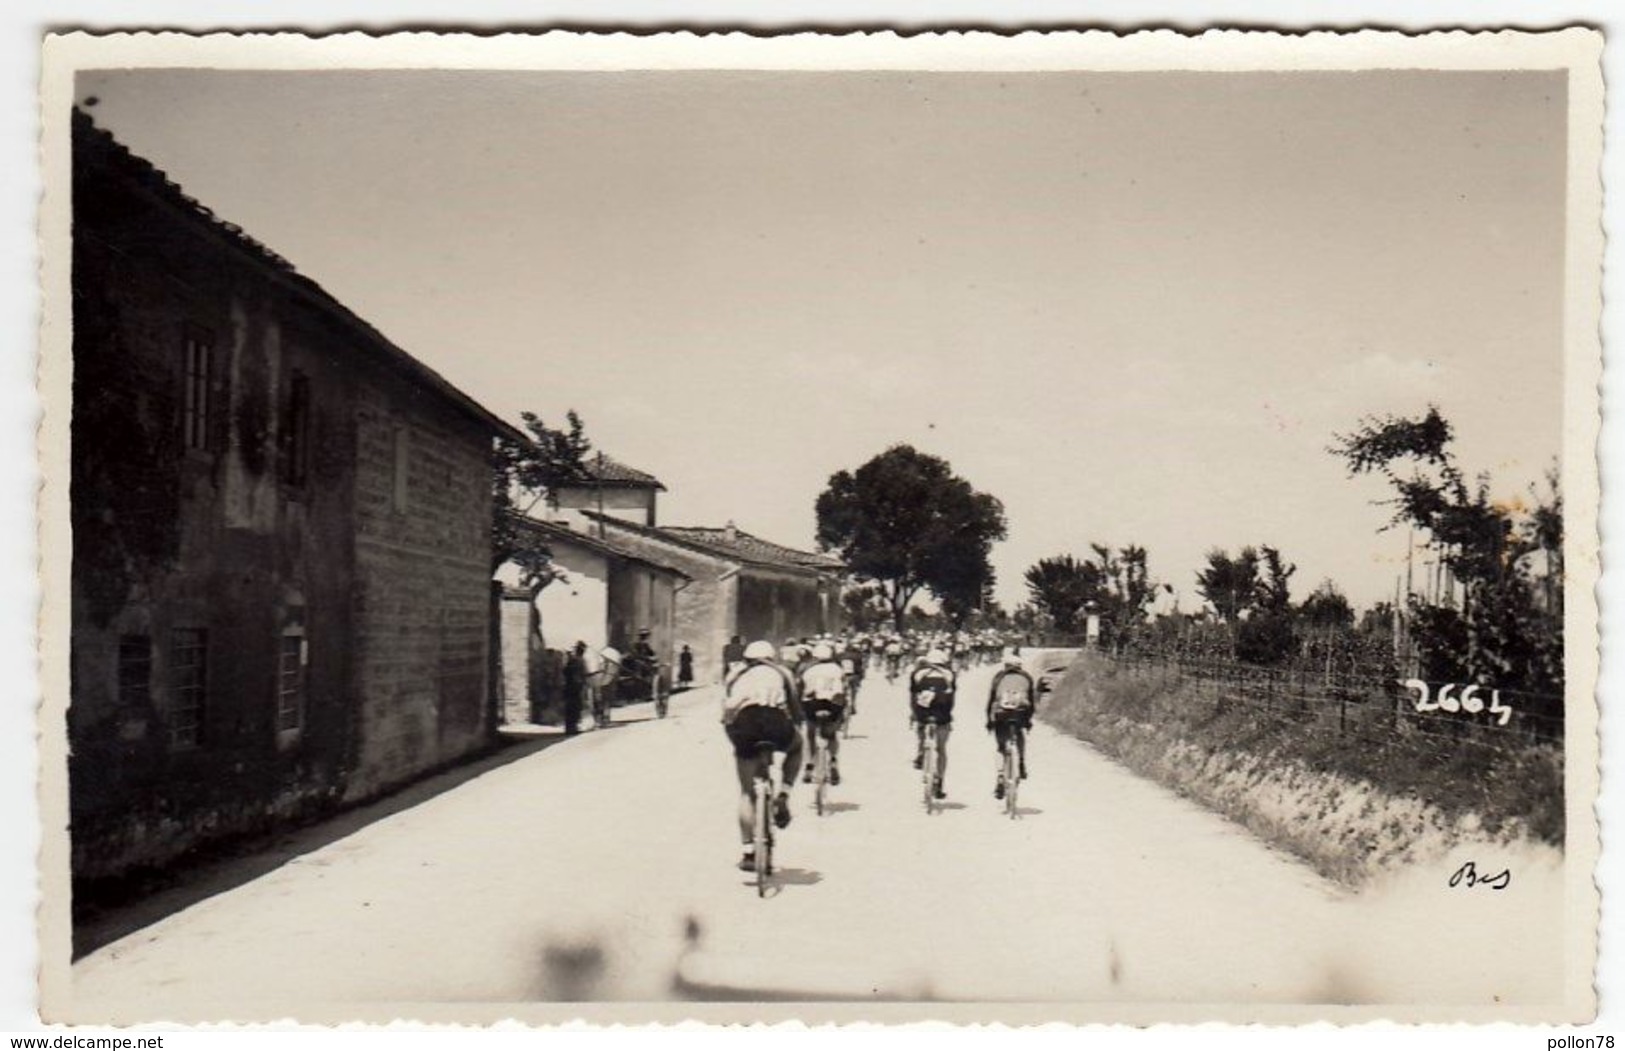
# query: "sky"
1135, 307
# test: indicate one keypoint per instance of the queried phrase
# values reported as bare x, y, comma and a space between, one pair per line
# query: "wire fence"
1367, 708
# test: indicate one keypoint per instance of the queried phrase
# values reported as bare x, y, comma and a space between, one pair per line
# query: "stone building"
605, 594
739, 585
613, 488
281, 579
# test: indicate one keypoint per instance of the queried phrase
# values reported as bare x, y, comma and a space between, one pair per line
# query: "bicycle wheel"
1012, 771
928, 769
763, 837
821, 777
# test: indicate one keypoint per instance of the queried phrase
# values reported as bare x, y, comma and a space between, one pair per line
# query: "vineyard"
1368, 708
1356, 773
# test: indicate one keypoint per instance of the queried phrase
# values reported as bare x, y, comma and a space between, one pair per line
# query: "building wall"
224, 558
422, 588
780, 606
577, 608
641, 597
701, 607
170, 540
517, 630
626, 503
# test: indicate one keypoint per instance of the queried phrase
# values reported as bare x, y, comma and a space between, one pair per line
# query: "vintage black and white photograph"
1066, 527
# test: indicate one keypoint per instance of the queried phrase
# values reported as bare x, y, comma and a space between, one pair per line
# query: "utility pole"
598, 490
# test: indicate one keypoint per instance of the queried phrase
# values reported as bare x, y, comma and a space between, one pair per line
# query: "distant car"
1049, 677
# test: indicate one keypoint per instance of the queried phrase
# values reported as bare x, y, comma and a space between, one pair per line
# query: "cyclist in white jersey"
823, 689
761, 706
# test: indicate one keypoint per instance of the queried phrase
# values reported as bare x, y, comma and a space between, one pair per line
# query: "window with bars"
296, 430
290, 691
188, 682
197, 403
134, 670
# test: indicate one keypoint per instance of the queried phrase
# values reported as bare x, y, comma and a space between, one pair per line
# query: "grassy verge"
1352, 808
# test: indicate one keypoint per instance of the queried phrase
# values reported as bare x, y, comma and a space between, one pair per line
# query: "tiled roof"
743, 548
742, 544
611, 471
88, 139
606, 544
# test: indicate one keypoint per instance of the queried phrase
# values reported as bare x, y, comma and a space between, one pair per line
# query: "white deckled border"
1577, 50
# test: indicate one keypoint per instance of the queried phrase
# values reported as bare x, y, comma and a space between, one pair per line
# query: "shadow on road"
796, 877
841, 808
105, 914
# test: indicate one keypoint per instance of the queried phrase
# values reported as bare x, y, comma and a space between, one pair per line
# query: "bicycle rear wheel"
821, 777
1012, 771
929, 769
763, 837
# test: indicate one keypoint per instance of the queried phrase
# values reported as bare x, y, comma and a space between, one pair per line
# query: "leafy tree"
1230, 585
1327, 609
906, 522
1266, 637
1509, 628
1274, 590
526, 472
1061, 586
1126, 590
1378, 620
966, 588
864, 606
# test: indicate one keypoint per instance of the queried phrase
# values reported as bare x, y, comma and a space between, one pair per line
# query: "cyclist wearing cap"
1010, 703
893, 654
823, 689
761, 706
931, 689
850, 655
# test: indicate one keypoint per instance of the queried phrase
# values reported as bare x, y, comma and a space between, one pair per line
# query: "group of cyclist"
788, 698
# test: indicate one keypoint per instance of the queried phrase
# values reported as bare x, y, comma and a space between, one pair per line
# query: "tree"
1127, 590
1507, 556
965, 590
1378, 620
1274, 591
906, 522
865, 607
1327, 609
526, 472
1231, 585
1061, 586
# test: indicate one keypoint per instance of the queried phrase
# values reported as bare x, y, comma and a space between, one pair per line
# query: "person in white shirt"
823, 698
931, 689
760, 711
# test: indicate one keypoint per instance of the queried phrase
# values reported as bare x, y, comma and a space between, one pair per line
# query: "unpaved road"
578, 873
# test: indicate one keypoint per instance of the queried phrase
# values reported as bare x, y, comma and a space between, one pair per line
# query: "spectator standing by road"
685, 668
575, 687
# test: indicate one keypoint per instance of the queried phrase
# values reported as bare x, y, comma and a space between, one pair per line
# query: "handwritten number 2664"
1468, 700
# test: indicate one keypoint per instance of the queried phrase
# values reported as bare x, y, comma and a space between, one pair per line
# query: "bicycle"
930, 766
762, 815
1012, 769
821, 762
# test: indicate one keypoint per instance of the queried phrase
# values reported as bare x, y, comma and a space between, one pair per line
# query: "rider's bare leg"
747, 802
792, 764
